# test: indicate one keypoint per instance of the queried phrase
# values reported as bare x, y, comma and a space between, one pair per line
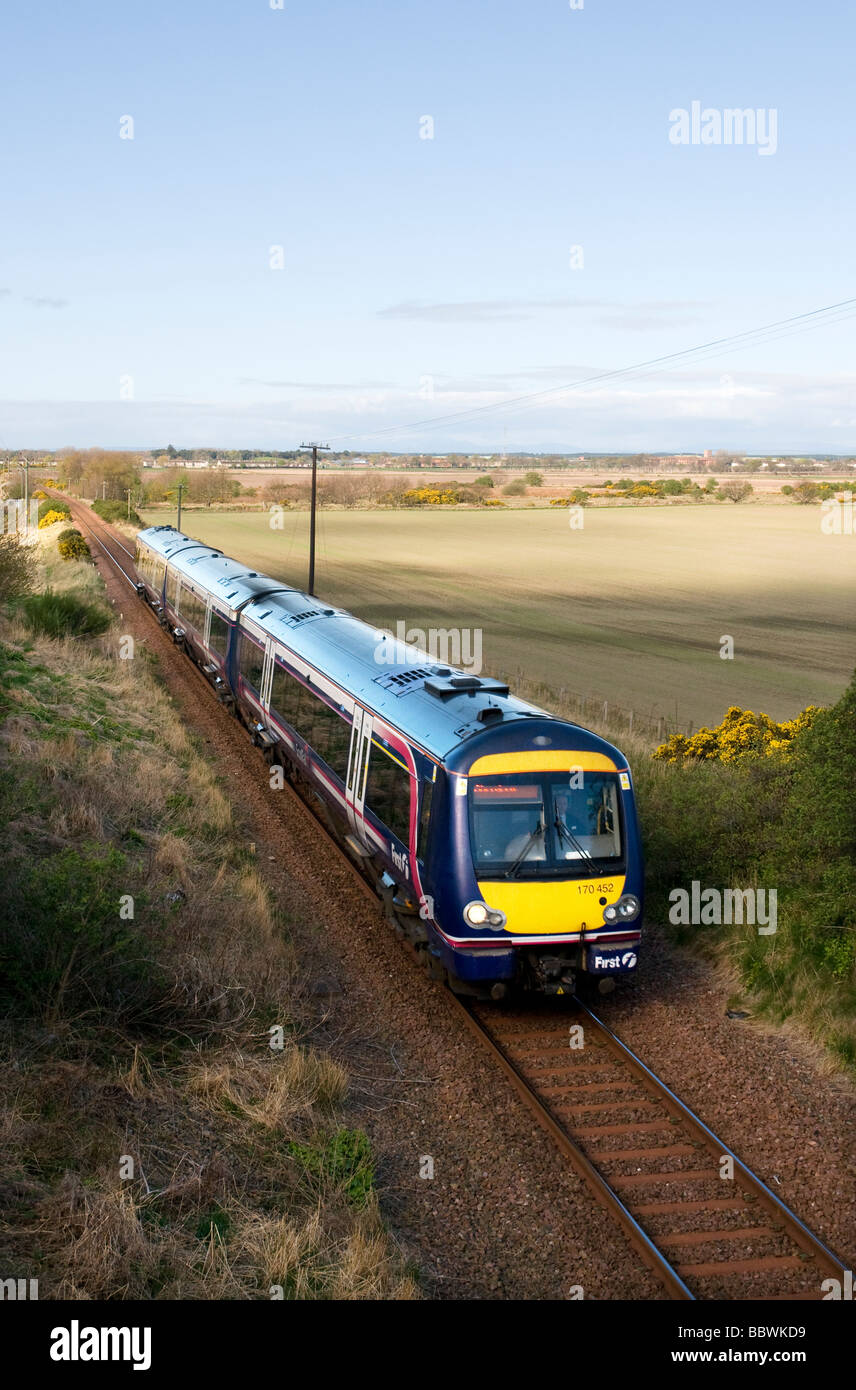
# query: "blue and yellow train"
502, 842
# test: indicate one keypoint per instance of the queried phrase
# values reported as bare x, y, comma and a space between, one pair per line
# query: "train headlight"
478, 914
624, 910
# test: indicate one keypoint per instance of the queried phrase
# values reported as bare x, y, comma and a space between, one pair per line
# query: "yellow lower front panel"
552, 908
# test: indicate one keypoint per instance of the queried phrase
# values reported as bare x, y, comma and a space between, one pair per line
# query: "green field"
631, 609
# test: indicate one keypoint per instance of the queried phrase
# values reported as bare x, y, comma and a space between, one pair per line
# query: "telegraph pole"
314, 448
128, 490
181, 487
26, 467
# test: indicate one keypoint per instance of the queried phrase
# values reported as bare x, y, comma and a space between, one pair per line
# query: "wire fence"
593, 709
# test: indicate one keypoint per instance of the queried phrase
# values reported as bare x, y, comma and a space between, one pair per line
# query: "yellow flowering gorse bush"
741, 734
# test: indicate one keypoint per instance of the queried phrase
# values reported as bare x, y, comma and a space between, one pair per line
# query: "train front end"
545, 880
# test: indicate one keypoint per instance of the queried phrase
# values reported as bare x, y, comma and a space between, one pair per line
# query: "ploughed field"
630, 609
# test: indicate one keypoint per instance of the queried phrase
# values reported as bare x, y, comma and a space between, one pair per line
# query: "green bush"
63, 615
110, 510
516, 488
779, 817
52, 504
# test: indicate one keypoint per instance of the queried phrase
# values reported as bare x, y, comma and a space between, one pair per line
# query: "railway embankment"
169, 1129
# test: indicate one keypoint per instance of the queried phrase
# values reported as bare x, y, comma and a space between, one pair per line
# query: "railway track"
702, 1221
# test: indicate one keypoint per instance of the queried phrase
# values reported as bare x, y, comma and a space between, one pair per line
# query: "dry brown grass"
175, 1072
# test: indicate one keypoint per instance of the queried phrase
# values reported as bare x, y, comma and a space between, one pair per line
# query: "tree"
533, 478
735, 491
805, 493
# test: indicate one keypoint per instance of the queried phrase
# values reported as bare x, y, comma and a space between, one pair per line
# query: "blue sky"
421, 277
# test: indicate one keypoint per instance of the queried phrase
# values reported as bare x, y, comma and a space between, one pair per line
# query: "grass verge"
154, 1144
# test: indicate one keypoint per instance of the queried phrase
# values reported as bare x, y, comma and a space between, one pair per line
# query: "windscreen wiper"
575, 844
539, 830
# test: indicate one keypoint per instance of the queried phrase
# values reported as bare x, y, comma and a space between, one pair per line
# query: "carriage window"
219, 633
388, 792
193, 609
331, 737
172, 588
252, 662
283, 694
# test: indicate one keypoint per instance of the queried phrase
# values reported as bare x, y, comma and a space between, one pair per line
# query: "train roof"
436, 705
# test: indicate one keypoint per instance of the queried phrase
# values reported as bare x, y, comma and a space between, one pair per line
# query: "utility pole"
128, 490
104, 490
181, 487
314, 448
26, 467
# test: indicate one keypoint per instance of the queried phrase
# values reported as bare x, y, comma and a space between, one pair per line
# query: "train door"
267, 676
361, 738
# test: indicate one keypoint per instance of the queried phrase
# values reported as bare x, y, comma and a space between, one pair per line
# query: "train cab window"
388, 791
219, 634
545, 823
424, 818
252, 662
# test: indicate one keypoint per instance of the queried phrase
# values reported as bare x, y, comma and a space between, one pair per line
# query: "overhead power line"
770, 332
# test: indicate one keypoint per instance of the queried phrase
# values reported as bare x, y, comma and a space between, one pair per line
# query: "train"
503, 843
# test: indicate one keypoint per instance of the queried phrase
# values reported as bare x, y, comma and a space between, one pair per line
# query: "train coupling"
552, 974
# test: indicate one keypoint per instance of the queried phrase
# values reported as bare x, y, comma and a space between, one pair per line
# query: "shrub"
72, 546
110, 510
787, 490
516, 488
51, 504
64, 615
18, 567
533, 478
735, 491
577, 498
741, 734
806, 493
484, 481
51, 517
